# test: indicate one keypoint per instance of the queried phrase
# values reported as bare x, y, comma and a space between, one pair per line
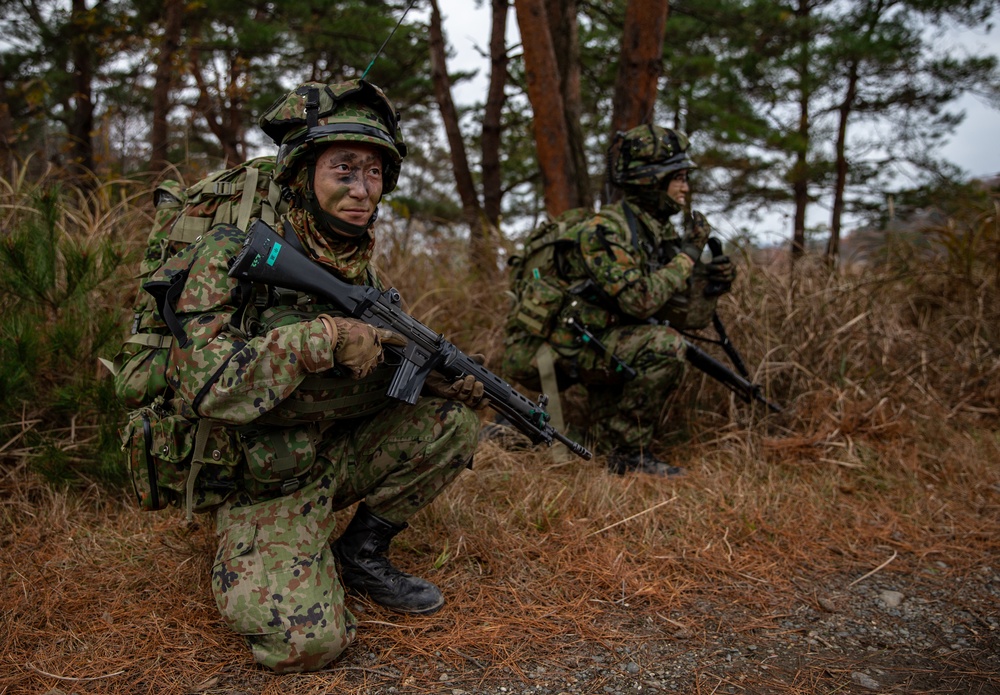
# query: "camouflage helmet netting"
315, 114
647, 155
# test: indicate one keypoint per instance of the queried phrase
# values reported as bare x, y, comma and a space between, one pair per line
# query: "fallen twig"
865, 576
644, 511
71, 678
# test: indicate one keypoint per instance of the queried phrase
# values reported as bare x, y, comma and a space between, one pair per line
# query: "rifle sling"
545, 357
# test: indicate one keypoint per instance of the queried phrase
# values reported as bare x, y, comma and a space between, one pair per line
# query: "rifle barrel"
744, 389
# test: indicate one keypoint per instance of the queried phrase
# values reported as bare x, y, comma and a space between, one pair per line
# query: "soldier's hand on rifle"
465, 390
698, 231
358, 345
722, 271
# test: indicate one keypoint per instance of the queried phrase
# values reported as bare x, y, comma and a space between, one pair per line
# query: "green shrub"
62, 267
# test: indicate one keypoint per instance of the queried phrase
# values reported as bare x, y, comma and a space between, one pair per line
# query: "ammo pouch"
331, 395
538, 307
173, 460
691, 310
279, 460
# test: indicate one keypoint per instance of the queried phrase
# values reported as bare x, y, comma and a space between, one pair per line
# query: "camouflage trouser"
623, 414
274, 576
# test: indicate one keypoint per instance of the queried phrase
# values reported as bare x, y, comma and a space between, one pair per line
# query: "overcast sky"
975, 146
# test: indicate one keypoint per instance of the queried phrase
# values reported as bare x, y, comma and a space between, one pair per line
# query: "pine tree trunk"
545, 95
163, 81
482, 250
492, 180
640, 63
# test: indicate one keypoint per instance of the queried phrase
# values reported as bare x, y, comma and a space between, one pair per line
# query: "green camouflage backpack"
233, 196
539, 295
166, 451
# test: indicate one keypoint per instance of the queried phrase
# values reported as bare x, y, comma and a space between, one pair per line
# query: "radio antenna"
379, 51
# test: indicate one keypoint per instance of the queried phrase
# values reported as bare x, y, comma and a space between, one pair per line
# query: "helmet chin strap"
328, 224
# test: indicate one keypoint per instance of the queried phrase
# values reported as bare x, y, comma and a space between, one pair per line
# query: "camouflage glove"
720, 273
721, 269
698, 231
465, 390
357, 346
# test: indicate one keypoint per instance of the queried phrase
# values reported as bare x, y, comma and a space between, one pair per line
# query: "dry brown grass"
887, 451
537, 560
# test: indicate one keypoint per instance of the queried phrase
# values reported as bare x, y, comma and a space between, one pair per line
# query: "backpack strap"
152, 340
166, 293
546, 359
202, 430
632, 223
246, 201
147, 448
275, 198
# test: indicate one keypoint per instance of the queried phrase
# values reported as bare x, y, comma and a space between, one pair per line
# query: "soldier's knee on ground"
287, 603
296, 650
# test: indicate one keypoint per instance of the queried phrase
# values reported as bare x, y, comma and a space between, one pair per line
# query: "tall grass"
906, 336
888, 370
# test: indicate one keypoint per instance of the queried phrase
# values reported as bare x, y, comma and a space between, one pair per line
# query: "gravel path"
890, 633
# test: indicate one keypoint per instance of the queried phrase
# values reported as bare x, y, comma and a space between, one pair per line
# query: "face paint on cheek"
333, 198
352, 179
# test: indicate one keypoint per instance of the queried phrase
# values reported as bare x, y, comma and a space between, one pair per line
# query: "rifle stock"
266, 258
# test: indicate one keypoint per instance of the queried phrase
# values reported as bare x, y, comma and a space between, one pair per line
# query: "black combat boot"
365, 568
622, 461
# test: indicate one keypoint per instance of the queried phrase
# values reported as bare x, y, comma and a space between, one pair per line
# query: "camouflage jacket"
618, 279
239, 369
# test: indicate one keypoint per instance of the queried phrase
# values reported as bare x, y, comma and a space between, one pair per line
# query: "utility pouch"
691, 310
142, 369
173, 460
538, 307
279, 460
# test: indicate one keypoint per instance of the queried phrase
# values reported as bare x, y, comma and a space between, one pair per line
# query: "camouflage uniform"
622, 274
316, 434
274, 577
629, 283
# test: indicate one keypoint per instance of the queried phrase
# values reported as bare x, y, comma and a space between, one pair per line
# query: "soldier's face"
678, 189
348, 181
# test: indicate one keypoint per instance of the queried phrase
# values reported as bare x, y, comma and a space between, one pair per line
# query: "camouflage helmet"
315, 114
647, 155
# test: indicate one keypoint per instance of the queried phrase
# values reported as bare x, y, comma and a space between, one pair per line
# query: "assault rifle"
744, 389
267, 258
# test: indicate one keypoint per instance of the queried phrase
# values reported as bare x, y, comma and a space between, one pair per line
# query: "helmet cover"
316, 114
648, 156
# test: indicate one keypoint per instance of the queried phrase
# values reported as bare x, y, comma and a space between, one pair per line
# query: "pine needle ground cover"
850, 544
739, 574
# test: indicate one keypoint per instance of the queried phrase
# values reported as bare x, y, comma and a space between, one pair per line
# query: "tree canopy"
789, 104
